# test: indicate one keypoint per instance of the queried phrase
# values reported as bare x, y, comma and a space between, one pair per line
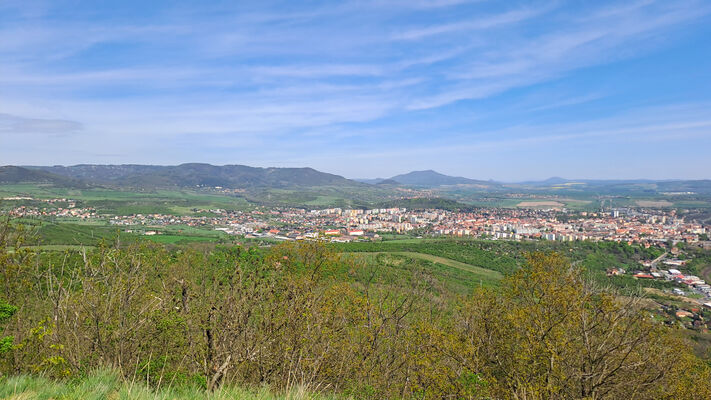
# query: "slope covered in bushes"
301, 315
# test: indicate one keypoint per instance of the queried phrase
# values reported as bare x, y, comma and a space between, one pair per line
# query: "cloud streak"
12, 124
319, 79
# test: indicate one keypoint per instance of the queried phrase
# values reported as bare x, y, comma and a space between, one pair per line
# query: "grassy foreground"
108, 385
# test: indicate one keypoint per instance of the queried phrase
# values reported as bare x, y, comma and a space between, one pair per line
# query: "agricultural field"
125, 202
48, 235
515, 199
574, 198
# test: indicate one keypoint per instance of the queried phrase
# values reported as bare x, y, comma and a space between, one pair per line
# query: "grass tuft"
106, 384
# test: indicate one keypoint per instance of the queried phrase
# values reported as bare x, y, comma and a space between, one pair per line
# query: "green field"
176, 239
124, 202
458, 276
47, 235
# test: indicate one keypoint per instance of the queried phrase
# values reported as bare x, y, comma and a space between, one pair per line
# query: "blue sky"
505, 90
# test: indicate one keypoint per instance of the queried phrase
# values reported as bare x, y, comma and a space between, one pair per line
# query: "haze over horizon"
480, 89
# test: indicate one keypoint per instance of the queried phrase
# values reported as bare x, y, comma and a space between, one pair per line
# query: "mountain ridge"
236, 176
12, 174
196, 175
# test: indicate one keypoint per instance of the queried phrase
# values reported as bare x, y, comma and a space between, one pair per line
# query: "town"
646, 227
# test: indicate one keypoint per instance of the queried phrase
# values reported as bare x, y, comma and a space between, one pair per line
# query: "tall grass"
106, 384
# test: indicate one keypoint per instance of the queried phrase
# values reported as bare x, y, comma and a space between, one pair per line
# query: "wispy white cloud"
488, 22
257, 74
13, 124
417, 4
569, 101
320, 71
530, 60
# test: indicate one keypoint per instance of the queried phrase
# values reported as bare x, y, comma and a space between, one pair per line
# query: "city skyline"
363, 89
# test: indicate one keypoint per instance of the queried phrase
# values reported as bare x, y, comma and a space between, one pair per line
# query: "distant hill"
195, 174
258, 179
10, 174
430, 178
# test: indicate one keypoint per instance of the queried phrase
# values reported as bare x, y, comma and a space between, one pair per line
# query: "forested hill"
195, 174
10, 174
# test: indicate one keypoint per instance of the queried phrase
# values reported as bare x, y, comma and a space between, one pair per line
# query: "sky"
503, 90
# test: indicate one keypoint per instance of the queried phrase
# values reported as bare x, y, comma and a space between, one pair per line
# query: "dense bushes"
299, 315
281, 318
549, 334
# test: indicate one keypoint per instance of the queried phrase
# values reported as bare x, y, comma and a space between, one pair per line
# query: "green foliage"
6, 344
297, 314
10, 238
301, 315
551, 334
6, 311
